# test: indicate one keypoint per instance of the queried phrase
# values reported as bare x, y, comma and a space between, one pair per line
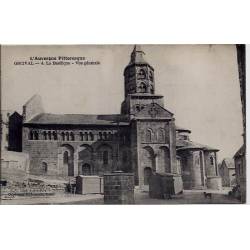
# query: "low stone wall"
119, 188
214, 182
14, 164
163, 185
89, 184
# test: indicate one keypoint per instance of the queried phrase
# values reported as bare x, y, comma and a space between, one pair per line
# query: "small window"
105, 135
67, 136
100, 135
36, 135
81, 136
86, 136
44, 167
148, 135
54, 135
91, 136
137, 108
142, 88
212, 160
49, 135
63, 136
44, 135
142, 74
72, 136
110, 136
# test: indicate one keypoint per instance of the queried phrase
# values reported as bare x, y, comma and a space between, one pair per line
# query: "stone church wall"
47, 156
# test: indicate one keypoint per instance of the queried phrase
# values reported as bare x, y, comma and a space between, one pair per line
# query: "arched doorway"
85, 155
147, 164
66, 160
86, 169
147, 175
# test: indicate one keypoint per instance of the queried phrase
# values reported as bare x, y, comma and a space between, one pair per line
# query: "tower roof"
137, 55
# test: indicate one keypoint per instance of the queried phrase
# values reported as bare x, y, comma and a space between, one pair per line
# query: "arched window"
31, 137
49, 135
161, 135
63, 136
142, 87
72, 136
54, 135
100, 135
91, 136
81, 136
105, 136
67, 136
142, 74
44, 135
110, 136
211, 160
105, 157
36, 135
149, 135
86, 136
137, 108
44, 167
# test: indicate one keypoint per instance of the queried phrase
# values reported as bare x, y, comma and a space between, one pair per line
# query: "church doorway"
147, 175
86, 169
66, 160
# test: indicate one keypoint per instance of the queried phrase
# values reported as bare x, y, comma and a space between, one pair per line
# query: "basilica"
143, 139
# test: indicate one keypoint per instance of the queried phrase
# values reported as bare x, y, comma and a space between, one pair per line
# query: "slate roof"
185, 144
182, 129
229, 162
78, 119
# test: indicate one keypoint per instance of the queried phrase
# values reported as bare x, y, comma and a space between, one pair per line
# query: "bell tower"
139, 84
138, 75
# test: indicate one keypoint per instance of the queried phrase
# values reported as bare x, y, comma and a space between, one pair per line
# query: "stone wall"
119, 188
47, 156
155, 147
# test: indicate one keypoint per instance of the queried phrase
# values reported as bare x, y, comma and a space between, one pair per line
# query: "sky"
199, 82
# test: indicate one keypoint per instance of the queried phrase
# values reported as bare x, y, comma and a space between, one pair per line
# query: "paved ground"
188, 197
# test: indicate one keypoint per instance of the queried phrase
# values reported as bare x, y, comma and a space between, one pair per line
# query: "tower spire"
137, 55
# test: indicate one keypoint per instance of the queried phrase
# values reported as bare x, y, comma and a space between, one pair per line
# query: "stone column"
76, 168
172, 146
215, 164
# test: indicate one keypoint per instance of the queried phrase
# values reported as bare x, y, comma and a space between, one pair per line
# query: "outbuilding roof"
229, 162
78, 119
186, 144
177, 128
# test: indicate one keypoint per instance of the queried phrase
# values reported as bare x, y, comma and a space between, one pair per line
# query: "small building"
10, 131
227, 172
240, 171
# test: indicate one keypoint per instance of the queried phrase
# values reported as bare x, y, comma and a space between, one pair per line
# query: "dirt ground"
141, 197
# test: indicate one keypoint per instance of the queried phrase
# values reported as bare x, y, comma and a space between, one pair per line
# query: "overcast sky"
199, 82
